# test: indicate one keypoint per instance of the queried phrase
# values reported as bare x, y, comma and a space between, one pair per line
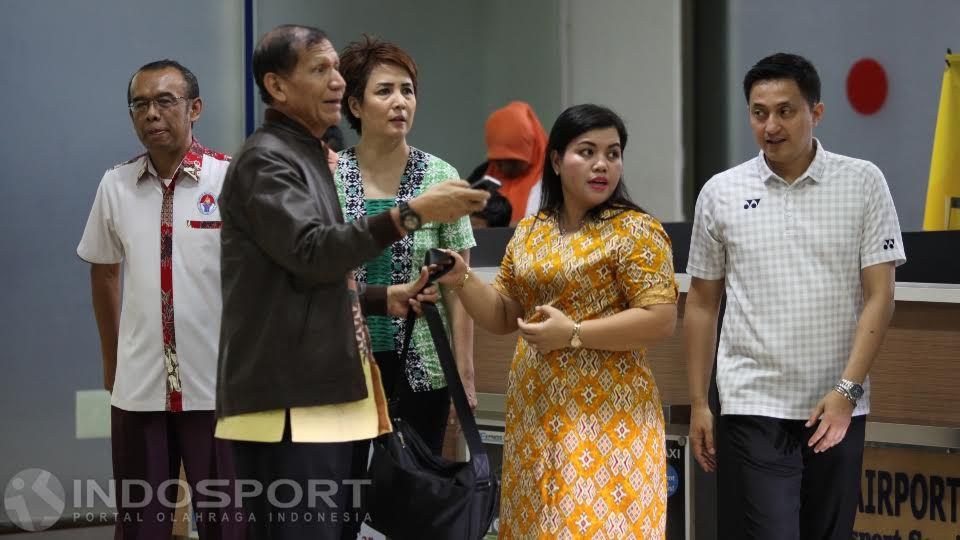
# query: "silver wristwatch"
850, 390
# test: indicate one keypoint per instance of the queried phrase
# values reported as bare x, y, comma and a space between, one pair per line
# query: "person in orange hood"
516, 143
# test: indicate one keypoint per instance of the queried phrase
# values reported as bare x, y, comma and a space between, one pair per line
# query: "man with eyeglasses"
158, 216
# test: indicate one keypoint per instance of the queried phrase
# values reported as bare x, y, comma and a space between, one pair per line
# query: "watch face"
856, 391
411, 222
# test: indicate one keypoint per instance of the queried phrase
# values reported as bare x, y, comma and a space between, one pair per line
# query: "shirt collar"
191, 165
816, 171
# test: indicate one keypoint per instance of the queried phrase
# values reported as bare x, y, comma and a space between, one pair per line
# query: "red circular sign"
867, 86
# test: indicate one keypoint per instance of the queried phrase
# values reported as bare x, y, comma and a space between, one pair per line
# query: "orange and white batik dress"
584, 453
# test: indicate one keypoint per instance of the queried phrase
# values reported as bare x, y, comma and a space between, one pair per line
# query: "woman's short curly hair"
357, 62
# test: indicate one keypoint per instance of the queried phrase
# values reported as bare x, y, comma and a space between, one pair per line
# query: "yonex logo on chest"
751, 203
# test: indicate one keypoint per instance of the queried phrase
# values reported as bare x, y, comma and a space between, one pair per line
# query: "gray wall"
908, 38
626, 54
66, 66
520, 50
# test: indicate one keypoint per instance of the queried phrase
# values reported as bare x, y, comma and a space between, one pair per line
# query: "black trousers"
426, 412
303, 493
772, 485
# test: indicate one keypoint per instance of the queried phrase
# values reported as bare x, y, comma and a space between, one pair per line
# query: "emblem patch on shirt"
751, 203
888, 244
207, 203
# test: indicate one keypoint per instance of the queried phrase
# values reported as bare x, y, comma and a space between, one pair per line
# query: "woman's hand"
553, 333
454, 277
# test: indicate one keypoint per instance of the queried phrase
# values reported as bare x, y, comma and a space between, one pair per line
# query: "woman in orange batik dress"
589, 283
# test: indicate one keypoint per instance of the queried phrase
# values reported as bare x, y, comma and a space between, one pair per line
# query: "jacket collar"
276, 118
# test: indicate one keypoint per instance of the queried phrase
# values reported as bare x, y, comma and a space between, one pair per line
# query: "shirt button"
789, 214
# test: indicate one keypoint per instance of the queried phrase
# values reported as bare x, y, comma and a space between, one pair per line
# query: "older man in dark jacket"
296, 383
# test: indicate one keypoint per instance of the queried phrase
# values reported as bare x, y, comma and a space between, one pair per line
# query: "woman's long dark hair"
572, 123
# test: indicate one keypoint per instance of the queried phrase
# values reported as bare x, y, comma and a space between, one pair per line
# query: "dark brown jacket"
287, 336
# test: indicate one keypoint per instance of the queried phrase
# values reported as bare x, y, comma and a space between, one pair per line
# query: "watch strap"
846, 393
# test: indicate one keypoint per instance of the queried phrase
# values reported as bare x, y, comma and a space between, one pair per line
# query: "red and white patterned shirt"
168, 239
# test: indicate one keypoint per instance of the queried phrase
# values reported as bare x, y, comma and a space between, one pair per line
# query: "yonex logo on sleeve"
751, 203
888, 243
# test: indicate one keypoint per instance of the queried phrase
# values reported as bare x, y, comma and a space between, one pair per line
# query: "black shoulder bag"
415, 494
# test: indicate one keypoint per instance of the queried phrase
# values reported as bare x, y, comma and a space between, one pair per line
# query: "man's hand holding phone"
448, 201
487, 183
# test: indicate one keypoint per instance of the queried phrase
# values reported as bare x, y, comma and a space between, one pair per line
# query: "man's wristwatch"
575, 337
850, 390
409, 219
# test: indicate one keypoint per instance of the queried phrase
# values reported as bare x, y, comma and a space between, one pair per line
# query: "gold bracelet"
466, 276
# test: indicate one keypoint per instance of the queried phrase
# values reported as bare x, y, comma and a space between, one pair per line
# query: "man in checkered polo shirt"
804, 243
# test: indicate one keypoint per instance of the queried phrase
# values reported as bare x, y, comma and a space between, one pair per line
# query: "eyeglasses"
140, 106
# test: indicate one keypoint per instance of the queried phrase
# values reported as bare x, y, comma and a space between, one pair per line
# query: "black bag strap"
478, 454
400, 386
441, 263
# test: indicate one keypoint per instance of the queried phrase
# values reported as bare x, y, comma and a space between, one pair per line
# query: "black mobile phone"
488, 183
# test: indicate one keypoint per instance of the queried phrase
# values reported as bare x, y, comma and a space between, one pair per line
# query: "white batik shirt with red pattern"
168, 239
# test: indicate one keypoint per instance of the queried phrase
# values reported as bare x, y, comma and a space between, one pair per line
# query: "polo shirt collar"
191, 165
816, 171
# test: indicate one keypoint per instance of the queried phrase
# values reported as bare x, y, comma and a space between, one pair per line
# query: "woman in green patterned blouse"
381, 171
